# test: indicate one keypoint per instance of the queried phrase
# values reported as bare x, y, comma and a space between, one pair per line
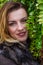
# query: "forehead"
17, 14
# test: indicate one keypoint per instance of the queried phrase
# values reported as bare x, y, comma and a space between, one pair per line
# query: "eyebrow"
25, 18
11, 21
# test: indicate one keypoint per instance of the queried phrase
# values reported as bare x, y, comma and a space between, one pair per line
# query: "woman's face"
16, 24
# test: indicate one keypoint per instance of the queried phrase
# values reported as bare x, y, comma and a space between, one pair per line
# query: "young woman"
14, 39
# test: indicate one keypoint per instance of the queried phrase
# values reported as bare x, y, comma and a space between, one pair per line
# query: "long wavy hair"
7, 7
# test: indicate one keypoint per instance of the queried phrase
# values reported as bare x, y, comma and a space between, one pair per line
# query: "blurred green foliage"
40, 2
35, 20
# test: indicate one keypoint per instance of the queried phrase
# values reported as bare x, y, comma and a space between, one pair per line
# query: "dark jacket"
16, 54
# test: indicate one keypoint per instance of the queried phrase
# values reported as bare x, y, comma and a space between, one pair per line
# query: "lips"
21, 34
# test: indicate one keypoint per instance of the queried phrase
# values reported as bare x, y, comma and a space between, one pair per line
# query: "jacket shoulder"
5, 57
5, 61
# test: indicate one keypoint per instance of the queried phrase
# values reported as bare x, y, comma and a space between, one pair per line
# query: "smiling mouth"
21, 34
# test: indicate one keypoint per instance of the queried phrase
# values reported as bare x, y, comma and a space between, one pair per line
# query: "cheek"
11, 30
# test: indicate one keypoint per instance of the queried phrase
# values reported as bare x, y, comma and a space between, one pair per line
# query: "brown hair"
7, 7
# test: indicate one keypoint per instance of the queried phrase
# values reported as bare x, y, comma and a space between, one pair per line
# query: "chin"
22, 40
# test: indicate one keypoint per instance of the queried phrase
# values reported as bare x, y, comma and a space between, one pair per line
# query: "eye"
12, 23
23, 20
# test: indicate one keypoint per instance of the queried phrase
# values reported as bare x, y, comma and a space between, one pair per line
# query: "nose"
20, 26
